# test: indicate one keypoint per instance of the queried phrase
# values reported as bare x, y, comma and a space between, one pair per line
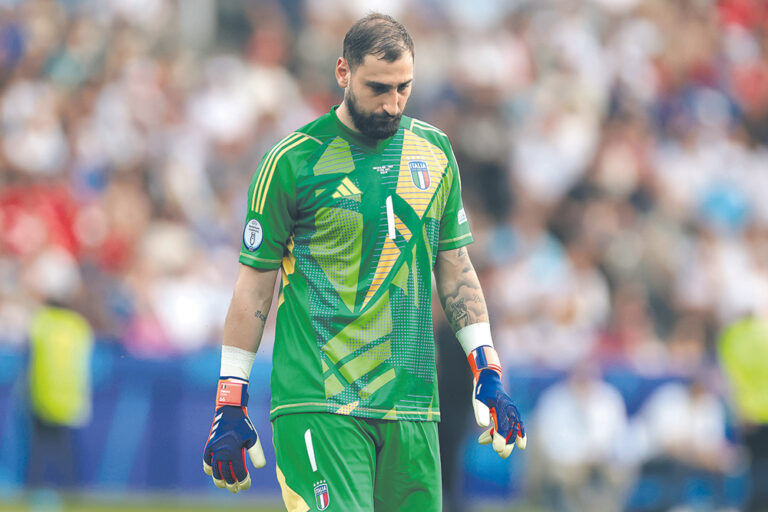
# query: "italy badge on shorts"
321, 495
419, 173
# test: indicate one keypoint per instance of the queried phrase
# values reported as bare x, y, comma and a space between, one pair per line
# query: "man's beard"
375, 126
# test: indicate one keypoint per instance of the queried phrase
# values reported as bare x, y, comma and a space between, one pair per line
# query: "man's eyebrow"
379, 85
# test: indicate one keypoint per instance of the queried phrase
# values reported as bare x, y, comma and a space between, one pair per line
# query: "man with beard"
357, 208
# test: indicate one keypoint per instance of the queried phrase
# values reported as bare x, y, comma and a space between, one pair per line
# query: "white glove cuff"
236, 362
474, 336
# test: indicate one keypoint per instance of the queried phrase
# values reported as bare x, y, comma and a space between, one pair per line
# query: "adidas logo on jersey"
346, 189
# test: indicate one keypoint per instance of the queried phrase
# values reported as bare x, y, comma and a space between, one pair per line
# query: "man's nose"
390, 104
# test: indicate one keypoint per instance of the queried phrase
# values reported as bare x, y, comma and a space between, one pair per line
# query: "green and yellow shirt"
355, 224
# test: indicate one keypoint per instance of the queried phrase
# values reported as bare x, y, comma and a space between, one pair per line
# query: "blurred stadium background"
614, 156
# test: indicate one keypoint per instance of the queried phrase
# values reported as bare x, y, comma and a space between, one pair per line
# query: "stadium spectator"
579, 426
680, 437
59, 370
743, 351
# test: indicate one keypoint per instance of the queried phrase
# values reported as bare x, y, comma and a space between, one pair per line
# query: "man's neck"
342, 112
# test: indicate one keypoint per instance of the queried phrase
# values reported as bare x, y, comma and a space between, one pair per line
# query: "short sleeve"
271, 212
454, 227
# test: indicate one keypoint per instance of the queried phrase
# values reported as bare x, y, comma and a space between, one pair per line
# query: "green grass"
51, 502
136, 506
143, 507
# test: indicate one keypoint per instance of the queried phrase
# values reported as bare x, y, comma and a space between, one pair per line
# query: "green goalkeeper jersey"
355, 224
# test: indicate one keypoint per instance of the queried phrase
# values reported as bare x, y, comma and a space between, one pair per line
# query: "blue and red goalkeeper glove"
492, 404
232, 434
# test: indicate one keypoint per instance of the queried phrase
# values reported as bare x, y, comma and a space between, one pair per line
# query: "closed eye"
380, 88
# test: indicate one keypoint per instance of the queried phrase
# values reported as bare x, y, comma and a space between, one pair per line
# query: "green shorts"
342, 463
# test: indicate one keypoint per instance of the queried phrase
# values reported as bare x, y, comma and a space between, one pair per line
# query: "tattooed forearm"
457, 312
459, 290
464, 305
248, 311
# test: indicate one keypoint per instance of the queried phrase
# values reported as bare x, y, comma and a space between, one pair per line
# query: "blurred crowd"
613, 153
614, 156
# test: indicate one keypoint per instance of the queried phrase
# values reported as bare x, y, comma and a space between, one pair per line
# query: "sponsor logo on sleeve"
462, 216
419, 173
253, 235
321, 495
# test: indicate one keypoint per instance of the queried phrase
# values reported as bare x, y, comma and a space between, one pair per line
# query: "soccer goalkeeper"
357, 209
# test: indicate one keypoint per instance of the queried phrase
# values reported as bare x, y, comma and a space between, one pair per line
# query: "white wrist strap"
473, 336
236, 362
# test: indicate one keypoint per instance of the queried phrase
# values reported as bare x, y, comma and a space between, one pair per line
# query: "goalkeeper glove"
232, 433
492, 403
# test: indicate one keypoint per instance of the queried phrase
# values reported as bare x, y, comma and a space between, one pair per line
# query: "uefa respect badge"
253, 235
321, 495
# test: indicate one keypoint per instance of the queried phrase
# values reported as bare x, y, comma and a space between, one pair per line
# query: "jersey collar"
367, 143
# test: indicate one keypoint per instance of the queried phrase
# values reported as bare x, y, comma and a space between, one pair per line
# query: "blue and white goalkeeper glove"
232, 434
492, 404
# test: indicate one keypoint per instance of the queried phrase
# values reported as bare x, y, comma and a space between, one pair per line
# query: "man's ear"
343, 73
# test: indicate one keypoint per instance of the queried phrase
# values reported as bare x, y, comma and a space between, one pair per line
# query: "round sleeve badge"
253, 235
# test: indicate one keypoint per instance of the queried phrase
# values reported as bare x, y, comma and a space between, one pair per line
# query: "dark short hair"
379, 35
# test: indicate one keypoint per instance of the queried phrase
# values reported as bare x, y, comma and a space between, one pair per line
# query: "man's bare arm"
231, 431
464, 305
459, 289
248, 310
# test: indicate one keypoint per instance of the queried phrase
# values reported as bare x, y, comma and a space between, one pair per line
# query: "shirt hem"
253, 261
455, 243
358, 412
